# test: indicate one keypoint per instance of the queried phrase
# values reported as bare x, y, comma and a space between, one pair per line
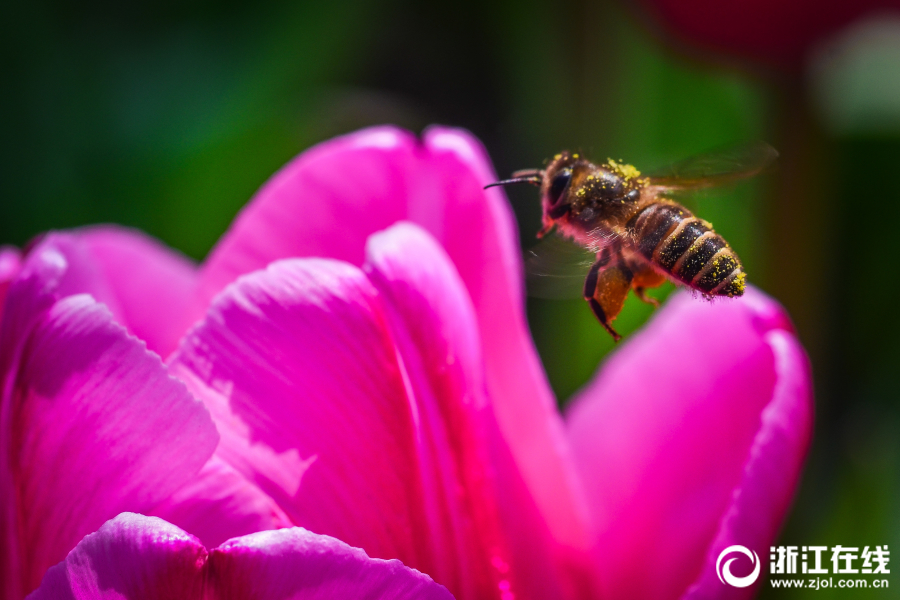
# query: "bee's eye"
559, 184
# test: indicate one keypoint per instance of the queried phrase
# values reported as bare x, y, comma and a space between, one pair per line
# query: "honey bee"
639, 235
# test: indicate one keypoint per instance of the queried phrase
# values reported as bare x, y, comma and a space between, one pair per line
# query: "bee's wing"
555, 268
715, 168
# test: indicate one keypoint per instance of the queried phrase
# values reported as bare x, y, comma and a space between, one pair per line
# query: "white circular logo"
724, 571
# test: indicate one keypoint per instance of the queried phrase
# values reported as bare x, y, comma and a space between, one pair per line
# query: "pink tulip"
690, 440
387, 394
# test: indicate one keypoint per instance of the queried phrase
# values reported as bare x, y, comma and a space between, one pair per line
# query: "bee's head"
557, 181
572, 183
567, 176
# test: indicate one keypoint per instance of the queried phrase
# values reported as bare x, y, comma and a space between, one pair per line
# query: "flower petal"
771, 472
10, 262
152, 284
129, 557
300, 373
90, 422
436, 331
478, 230
323, 203
134, 557
145, 285
299, 565
328, 200
705, 409
432, 322
219, 504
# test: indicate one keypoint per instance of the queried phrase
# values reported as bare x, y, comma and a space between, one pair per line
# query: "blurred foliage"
167, 116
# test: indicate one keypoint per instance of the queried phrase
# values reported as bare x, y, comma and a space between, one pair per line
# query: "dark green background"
167, 116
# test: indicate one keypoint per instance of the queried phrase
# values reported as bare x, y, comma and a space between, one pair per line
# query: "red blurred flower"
773, 32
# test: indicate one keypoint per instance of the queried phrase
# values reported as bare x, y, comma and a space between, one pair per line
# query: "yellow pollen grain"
623, 170
739, 282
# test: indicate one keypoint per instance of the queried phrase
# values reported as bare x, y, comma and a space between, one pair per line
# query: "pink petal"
145, 558
299, 370
435, 328
328, 200
478, 231
219, 504
10, 262
690, 439
324, 203
299, 565
146, 285
771, 471
91, 424
152, 283
433, 325
129, 557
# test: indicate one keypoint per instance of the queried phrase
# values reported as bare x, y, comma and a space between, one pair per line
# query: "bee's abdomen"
686, 247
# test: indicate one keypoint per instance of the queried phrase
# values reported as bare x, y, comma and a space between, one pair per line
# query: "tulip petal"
300, 373
134, 557
146, 285
328, 200
478, 230
433, 324
152, 284
299, 565
436, 331
771, 472
219, 504
10, 263
705, 409
129, 557
92, 424
324, 203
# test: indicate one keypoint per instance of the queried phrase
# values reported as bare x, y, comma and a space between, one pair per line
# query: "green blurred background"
167, 116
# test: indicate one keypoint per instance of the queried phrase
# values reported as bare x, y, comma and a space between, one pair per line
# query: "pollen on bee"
740, 283
623, 170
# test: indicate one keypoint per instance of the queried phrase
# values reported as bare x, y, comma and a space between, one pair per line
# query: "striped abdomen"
672, 238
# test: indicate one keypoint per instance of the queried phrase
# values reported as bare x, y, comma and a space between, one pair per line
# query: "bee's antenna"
533, 179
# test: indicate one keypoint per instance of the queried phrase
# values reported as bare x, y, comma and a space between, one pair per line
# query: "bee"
638, 234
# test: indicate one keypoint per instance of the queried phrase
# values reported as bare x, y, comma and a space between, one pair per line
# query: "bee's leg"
605, 290
641, 293
645, 276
